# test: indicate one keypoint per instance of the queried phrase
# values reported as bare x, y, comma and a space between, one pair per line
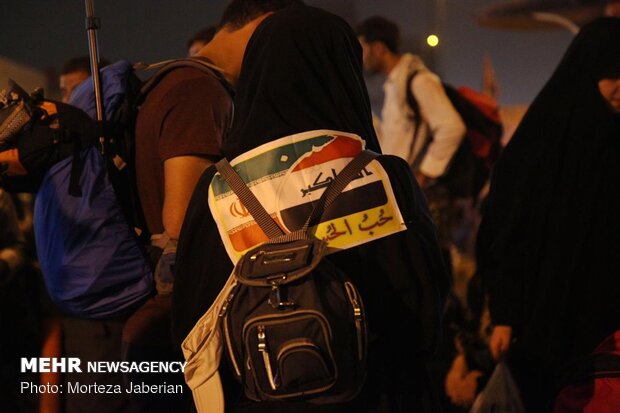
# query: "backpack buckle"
279, 263
276, 301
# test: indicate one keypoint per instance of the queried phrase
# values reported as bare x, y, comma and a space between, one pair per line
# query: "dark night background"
44, 33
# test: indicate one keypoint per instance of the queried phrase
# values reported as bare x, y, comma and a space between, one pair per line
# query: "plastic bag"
500, 395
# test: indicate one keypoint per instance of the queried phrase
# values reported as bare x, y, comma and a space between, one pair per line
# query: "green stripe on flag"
270, 163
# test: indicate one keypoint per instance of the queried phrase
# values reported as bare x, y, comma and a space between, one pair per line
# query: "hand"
164, 273
461, 384
499, 343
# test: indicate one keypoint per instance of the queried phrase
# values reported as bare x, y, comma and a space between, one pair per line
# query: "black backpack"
471, 165
294, 325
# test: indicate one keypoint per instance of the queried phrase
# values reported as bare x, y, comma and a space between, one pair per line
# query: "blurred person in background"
199, 39
75, 71
18, 320
548, 242
612, 9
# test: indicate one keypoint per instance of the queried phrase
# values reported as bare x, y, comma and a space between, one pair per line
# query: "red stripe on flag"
340, 147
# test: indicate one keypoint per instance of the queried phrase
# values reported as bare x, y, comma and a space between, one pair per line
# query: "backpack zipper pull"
262, 348
357, 316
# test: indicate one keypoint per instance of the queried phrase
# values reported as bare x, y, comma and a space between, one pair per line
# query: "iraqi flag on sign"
289, 175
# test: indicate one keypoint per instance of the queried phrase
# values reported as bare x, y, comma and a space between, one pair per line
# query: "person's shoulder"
425, 79
189, 86
187, 77
186, 88
417, 71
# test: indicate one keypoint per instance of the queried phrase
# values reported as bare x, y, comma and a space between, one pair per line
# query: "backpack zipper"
262, 348
358, 316
282, 319
274, 319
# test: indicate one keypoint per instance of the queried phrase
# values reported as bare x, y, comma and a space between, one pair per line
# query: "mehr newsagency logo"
74, 365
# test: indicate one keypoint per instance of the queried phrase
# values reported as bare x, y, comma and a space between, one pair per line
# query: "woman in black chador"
549, 242
302, 72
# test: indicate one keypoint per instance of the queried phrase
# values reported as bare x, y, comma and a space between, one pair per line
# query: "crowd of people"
542, 297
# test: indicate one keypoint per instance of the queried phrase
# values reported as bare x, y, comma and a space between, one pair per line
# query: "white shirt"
438, 115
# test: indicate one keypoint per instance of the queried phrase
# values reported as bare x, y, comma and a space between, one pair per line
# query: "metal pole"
92, 24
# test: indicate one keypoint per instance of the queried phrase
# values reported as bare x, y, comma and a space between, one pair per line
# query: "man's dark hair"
80, 64
205, 35
241, 12
380, 29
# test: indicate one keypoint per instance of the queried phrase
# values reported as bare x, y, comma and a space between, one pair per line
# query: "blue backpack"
86, 208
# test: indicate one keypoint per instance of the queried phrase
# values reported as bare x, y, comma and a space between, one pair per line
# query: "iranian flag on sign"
289, 175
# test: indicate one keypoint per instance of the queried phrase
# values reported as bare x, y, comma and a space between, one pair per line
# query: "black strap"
253, 205
267, 223
348, 173
591, 367
76, 168
411, 100
417, 117
199, 63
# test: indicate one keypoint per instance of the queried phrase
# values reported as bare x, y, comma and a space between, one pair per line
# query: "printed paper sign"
289, 175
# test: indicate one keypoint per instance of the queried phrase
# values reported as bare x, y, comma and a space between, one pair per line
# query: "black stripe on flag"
350, 202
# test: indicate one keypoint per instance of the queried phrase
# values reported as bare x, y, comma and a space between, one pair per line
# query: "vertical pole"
92, 24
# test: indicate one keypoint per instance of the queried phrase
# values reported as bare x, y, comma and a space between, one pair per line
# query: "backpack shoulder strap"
417, 117
167, 66
248, 199
348, 173
411, 100
262, 217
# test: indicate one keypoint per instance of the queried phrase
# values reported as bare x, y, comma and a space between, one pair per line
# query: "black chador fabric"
308, 78
548, 244
302, 71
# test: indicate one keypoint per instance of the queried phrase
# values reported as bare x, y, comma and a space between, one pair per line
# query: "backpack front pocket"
290, 354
